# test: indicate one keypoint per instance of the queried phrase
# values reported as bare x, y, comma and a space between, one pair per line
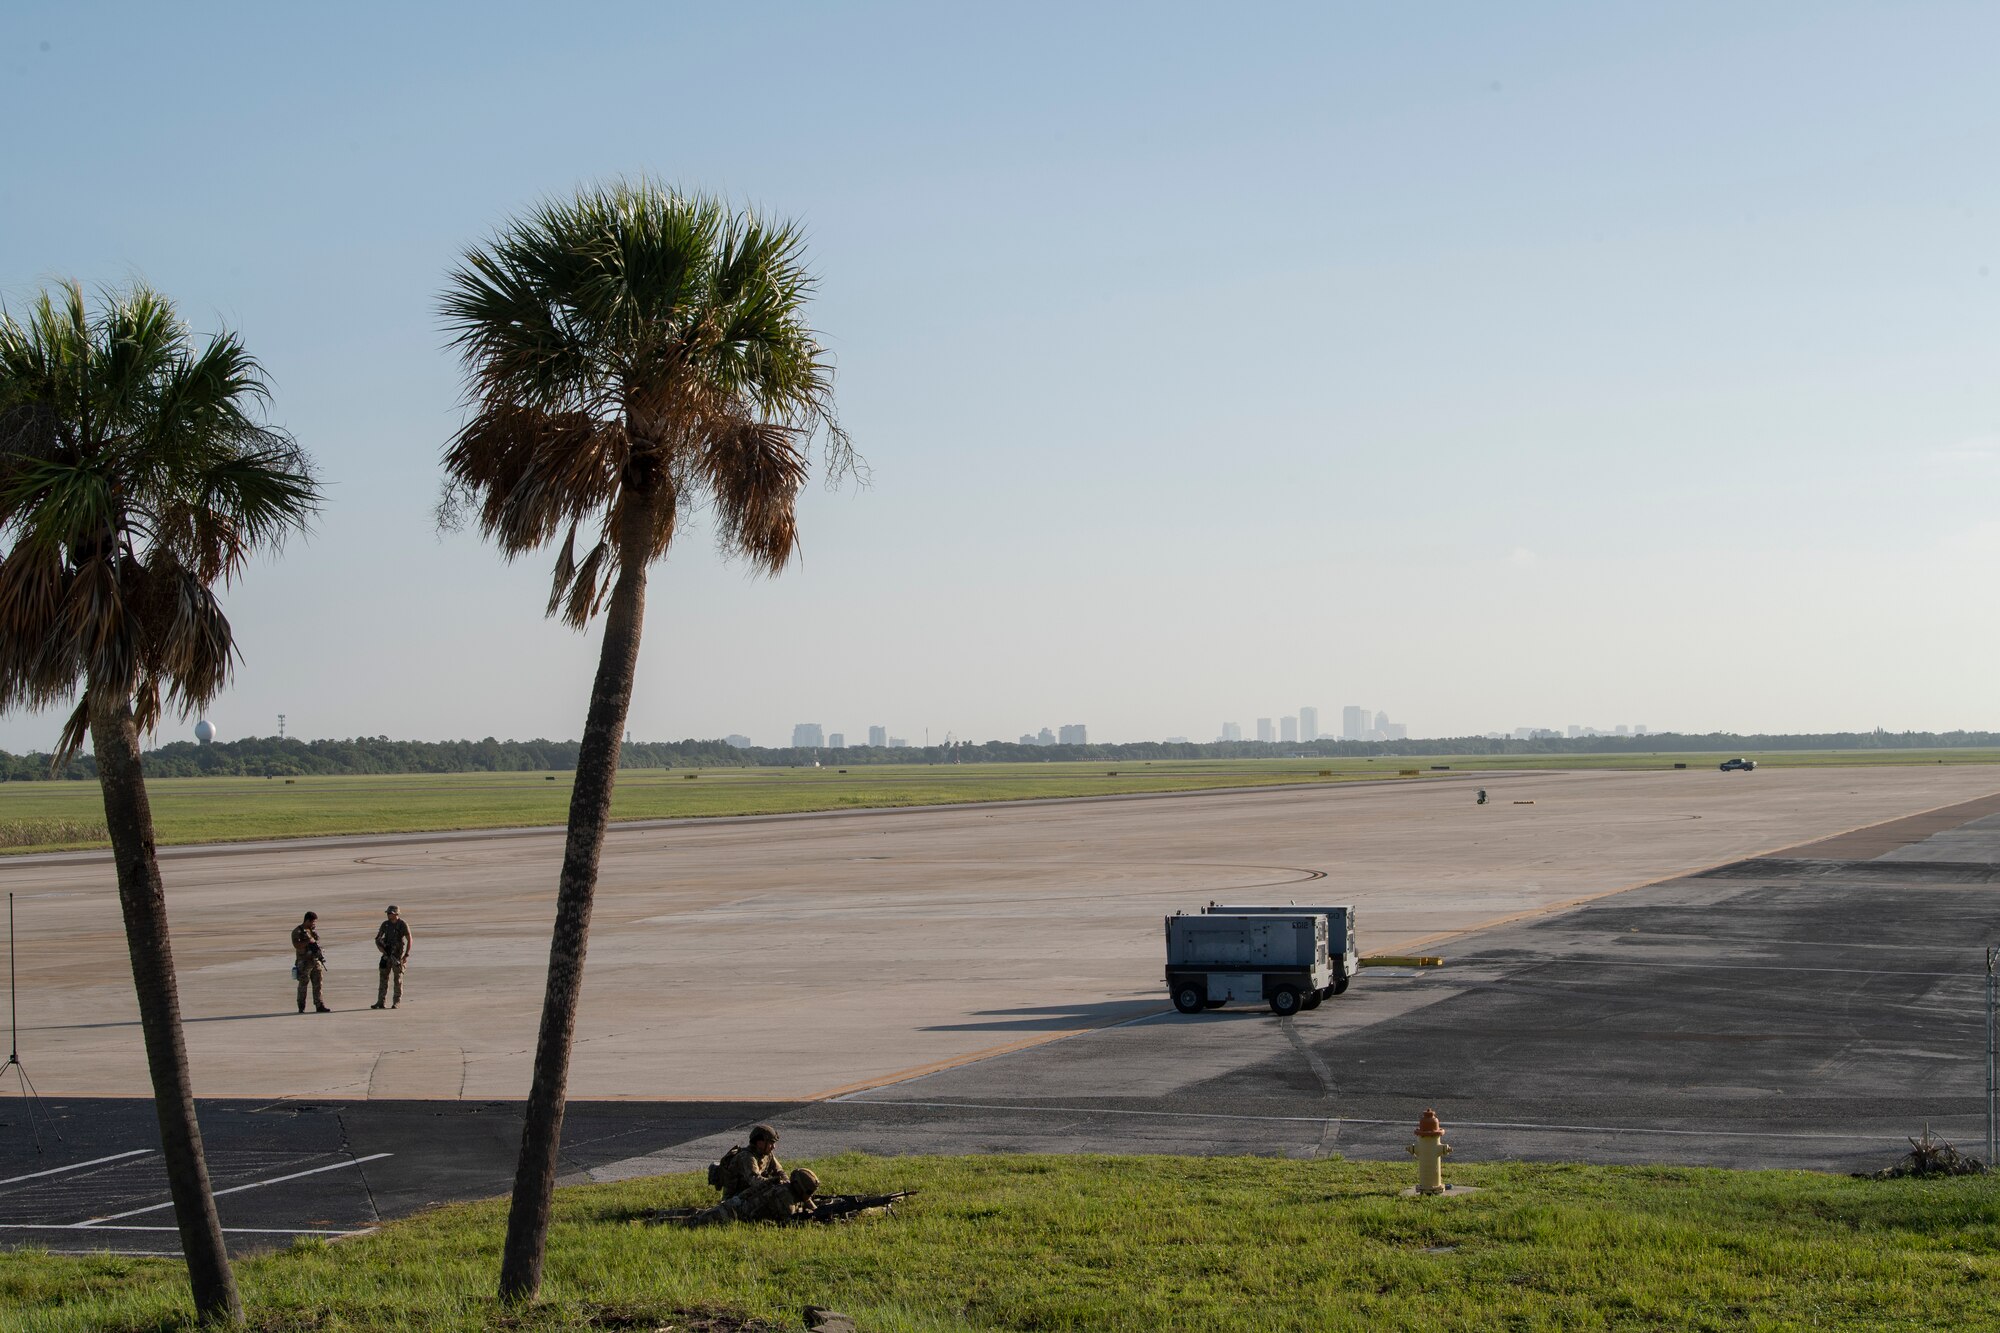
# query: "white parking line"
235, 1189
231, 1231
76, 1166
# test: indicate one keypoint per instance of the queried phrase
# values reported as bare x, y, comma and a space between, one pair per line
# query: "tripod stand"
30, 1099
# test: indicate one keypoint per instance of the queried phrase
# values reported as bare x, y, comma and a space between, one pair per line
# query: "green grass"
1147, 1243
49, 816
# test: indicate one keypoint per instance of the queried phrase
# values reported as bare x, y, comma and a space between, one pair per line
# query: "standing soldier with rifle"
309, 963
392, 938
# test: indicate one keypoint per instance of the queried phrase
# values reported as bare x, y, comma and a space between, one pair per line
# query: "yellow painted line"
1402, 960
970, 1057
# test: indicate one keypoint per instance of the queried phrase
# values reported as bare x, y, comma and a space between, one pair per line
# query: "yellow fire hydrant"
1430, 1150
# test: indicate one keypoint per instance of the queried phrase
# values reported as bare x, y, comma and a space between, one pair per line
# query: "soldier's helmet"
764, 1132
804, 1184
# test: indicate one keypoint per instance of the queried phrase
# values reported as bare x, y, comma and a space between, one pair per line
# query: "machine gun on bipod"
847, 1207
827, 1209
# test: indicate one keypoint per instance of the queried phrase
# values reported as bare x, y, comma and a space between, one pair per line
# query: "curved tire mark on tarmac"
1304, 874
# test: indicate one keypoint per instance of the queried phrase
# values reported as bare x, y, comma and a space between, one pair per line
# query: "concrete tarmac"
794, 959
1794, 1011
1809, 1008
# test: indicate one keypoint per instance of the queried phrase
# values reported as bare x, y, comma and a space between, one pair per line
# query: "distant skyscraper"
807, 736
878, 736
1026, 739
1353, 723
1045, 737
837, 741
740, 742
1621, 731
1288, 730
1638, 731
1231, 732
1075, 734
1395, 731
1382, 723
898, 743
1264, 732
1309, 724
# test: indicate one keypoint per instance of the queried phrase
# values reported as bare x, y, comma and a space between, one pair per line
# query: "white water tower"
204, 731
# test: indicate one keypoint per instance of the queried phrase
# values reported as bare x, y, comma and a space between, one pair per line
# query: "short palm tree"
631, 354
134, 475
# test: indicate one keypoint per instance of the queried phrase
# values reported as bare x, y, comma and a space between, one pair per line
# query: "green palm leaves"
630, 354
633, 348
134, 476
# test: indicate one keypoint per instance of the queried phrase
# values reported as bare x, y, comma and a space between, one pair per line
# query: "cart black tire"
1190, 998
1217, 1004
1340, 987
1285, 1001
1311, 1000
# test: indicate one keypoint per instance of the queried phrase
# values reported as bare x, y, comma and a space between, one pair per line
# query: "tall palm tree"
631, 354
134, 475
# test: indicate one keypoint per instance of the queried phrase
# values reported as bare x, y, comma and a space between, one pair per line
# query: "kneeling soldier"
766, 1201
742, 1167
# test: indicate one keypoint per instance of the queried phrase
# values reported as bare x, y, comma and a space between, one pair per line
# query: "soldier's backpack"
715, 1169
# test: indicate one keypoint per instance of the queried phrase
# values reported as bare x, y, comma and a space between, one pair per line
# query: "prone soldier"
742, 1167
769, 1200
309, 963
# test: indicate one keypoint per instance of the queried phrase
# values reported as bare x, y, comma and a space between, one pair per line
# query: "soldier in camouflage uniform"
392, 937
768, 1200
309, 963
741, 1167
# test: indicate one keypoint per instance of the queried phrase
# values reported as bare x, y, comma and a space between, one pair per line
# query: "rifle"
843, 1207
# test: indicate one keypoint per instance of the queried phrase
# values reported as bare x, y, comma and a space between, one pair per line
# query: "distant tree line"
272, 756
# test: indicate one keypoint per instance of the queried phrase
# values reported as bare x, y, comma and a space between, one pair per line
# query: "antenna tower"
32, 1098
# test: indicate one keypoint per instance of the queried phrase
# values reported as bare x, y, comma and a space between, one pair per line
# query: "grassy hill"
1144, 1243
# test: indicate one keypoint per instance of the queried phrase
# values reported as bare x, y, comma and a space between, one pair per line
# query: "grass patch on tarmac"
1145, 1243
57, 816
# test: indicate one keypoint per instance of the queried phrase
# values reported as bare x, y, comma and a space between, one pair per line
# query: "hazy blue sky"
1492, 365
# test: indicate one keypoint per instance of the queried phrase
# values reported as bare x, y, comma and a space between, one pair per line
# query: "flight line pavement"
803, 958
1808, 1009
1790, 1011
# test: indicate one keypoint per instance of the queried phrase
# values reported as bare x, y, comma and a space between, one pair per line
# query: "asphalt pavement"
1812, 1009
291, 1168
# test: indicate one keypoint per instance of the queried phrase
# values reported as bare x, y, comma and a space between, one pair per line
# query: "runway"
796, 959
1690, 968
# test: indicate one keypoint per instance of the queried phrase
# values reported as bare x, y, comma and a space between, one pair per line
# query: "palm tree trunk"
142, 896
589, 812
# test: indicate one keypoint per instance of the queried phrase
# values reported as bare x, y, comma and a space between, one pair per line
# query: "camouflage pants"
767, 1201
311, 974
389, 968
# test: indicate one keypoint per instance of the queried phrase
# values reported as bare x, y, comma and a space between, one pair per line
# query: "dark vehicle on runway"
1343, 959
1738, 765
1281, 961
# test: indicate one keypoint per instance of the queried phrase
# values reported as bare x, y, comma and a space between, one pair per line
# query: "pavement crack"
1311, 1057
361, 1168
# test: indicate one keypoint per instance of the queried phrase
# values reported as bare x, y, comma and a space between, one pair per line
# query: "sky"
1490, 366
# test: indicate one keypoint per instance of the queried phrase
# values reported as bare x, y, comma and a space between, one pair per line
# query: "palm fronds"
135, 474
636, 347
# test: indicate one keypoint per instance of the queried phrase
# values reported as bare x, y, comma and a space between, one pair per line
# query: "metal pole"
1992, 1034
